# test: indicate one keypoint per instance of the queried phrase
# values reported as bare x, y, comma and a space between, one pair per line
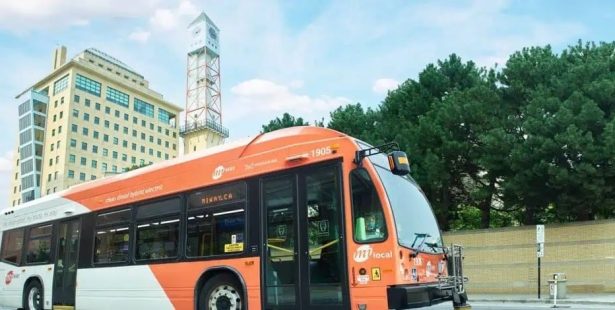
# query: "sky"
304, 57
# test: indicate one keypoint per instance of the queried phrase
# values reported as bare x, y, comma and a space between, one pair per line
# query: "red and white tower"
203, 125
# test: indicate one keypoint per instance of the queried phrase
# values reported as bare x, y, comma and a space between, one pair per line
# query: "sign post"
540, 249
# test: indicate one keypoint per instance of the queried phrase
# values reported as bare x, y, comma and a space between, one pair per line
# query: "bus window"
112, 237
368, 218
39, 245
12, 244
216, 221
158, 235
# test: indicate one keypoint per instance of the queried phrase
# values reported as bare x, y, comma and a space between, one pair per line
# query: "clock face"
196, 31
212, 33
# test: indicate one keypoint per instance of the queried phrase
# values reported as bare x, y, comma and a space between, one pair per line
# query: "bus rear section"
398, 248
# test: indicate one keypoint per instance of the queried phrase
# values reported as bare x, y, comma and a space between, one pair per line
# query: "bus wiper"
423, 237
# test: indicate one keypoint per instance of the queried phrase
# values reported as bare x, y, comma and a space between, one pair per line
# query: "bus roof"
179, 174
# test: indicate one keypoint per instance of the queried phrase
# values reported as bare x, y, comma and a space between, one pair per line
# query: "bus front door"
65, 270
304, 265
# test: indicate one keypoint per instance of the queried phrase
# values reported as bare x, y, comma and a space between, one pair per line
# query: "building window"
151, 126
105, 152
50, 162
116, 127
114, 168
114, 155
97, 106
104, 167
74, 128
87, 102
165, 116
125, 130
115, 140
134, 133
134, 146
134, 120
73, 142
76, 98
106, 137
92, 177
84, 146
84, 161
59, 129
85, 131
124, 143
142, 136
87, 85
124, 157
75, 113
142, 149
94, 163
117, 113
82, 176
95, 149
107, 124
86, 117
61, 114
60, 84
143, 123
107, 110
126, 116
71, 158
133, 160
117, 96
95, 134
144, 107
96, 120
71, 174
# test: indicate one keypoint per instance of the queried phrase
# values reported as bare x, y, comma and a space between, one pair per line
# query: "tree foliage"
532, 142
286, 121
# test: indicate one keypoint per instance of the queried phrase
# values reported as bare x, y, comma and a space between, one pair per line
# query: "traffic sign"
540, 250
540, 233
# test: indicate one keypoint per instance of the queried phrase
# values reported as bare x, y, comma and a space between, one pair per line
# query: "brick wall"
503, 260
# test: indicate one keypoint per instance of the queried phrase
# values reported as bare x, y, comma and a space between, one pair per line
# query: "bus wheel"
221, 292
33, 296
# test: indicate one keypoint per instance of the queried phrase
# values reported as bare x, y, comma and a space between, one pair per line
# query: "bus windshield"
414, 219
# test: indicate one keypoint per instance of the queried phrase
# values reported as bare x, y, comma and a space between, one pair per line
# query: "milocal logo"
217, 172
220, 170
9, 277
364, 252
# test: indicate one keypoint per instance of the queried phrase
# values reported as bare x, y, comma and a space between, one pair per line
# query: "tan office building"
89, 117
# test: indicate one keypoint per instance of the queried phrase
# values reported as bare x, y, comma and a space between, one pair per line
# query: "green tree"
444, 121
287, 120
561, 164
354, 121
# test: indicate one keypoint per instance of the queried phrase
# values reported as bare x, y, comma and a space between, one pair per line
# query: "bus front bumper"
404, 297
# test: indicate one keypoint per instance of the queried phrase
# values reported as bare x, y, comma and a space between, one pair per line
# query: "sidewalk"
588, 299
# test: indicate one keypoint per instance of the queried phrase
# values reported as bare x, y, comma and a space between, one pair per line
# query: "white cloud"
139, 36
264, 97
382, 86
24, 16
6, 172
163, 19
6, 162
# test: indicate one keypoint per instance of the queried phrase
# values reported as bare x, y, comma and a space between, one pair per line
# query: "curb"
545, 301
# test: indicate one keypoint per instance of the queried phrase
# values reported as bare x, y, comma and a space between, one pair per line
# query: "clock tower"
203, 124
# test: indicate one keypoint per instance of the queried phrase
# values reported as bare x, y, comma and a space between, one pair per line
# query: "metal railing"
208, 124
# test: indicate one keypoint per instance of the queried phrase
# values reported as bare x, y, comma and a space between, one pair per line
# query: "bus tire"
33, 296
221, 292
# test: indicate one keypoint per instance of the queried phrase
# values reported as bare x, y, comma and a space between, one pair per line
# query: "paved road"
517, 306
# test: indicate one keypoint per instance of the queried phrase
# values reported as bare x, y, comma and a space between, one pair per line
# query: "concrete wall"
504, 260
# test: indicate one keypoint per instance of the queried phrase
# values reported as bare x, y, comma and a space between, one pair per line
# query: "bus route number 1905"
321, 151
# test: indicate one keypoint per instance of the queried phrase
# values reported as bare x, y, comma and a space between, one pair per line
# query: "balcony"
204, 124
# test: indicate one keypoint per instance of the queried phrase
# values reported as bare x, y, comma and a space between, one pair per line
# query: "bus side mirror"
399, 163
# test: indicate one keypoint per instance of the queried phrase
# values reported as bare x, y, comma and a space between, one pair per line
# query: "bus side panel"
14, 281
179, 279
125, 287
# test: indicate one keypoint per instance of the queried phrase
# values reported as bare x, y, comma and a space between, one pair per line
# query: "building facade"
89, 117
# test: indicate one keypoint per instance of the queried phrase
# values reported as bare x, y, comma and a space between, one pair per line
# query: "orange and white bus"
299, 218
